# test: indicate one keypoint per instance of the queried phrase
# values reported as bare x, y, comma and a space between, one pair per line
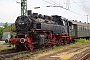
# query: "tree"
1, 32
2, 29
13, 27
5, 25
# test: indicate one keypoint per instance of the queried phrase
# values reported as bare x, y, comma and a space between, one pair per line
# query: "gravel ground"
72, 53
69, 53
4, 46
2, 42
88, 58
1, 45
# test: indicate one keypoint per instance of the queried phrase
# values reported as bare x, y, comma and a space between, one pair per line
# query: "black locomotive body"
56, 24
36, 30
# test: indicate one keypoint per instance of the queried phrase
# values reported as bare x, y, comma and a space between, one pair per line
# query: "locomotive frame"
39, 31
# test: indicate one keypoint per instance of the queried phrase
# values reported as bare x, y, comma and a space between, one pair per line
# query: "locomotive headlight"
22, 40
22, 23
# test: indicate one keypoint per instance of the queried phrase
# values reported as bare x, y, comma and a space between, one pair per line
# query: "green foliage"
5, 25
54, 47
7, 58
57, 47
1, 32
2, 29
30, 53
82, 41
5, 43
13, 27
20, 55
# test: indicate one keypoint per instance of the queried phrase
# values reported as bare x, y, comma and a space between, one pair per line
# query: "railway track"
85, 57
10, 54
73, 53
7, 51
79, 48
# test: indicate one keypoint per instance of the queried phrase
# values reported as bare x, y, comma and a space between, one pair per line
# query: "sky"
77, 9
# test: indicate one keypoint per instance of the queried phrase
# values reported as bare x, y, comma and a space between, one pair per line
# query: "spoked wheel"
68, 42
59, 43
26, 46
65, 42
49, 46
18, 48
31, 47
43, 46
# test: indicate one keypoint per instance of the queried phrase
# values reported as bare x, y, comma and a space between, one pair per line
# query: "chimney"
84, 22
29, 12
75, 20
79, 21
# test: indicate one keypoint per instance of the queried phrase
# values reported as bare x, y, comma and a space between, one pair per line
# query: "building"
8, 32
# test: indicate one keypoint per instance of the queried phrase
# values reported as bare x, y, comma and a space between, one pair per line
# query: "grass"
79, 42
82, 41
5, 43
5, 46
7, 59
20, 55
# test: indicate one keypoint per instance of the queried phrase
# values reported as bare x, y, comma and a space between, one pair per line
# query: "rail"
85, 56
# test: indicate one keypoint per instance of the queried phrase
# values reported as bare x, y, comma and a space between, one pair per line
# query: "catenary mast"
23, 7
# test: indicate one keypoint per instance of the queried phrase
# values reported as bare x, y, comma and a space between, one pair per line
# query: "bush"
2, 29
1, 32
82, 41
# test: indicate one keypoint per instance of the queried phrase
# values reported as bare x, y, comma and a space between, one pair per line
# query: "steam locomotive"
38, 31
